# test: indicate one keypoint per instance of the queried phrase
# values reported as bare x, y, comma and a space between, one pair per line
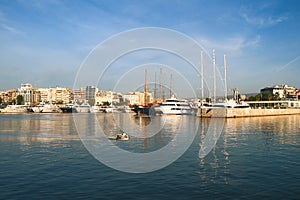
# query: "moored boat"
174, 106
14, 109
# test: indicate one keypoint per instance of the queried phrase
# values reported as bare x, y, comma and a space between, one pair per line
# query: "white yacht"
231, 103
14, 109
45, 108
174, 106
83, 108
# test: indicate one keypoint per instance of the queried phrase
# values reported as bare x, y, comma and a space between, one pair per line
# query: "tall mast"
214, 68
145, 89
160, 83
225, 76
155, 89
171, 85
202, 78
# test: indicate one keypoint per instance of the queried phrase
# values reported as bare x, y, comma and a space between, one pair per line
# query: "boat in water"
174, 106
68, 108
44, 108
82, 108
122, 136
14, 109
144, 111
228, 103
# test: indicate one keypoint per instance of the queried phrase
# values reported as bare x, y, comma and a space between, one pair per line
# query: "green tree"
251, 98
105, 103
267, 96
258, 97
20, 100
276, 96
91, 102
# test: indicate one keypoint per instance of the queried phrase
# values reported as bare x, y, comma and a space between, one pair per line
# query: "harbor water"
43, 157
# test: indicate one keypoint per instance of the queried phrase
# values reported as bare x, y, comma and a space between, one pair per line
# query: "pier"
257, 109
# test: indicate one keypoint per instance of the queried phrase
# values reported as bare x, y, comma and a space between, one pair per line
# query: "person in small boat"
121, 136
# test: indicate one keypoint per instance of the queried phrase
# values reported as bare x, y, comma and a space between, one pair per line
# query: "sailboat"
227, 103
146, 109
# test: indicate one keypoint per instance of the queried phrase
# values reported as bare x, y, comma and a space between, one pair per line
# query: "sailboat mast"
202, 78
160, 83
214, 69
170, 85
225, 76
145, 89
155, 89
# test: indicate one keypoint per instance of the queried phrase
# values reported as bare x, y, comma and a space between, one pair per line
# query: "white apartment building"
104, 96
55, 95
283, 91
30, 95
138, 98
60, 95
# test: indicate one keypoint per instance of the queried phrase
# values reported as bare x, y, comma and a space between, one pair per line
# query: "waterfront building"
103, 96
60, 95
79, 95
138, 98
278, 92
55, 95
90, 94
31, 96
132, 97
45, 94
8, 96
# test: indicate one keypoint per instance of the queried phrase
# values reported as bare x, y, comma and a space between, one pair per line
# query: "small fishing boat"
122, 136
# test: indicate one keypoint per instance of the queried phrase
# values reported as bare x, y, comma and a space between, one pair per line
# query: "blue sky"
45, 42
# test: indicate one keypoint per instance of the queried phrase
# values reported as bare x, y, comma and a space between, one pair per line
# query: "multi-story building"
31, 96
133, 98
79, 95
103, 96
278, 92
45, 94
55, 95
60, 95
138, 98
90, 94
8, 96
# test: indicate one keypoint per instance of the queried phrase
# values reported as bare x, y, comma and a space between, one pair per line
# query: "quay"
257, 109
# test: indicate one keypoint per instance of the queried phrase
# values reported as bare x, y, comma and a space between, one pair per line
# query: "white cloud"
234, 44
11, 29
263, 21
4, 25
262, 15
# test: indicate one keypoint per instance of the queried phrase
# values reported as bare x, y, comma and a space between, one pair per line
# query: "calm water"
41, 156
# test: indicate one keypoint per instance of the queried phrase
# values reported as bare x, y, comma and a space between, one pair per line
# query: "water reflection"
147, 134
28, 128
244, 139
277, 128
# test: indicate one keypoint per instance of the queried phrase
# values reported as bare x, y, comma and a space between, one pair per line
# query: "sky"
45, 42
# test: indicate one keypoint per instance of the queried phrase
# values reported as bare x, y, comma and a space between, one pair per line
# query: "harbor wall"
242, 112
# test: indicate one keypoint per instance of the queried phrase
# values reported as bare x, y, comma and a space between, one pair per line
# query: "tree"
267, 96
251, 98
0, 100
20, 100
105, 103
258, 97
277, 96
